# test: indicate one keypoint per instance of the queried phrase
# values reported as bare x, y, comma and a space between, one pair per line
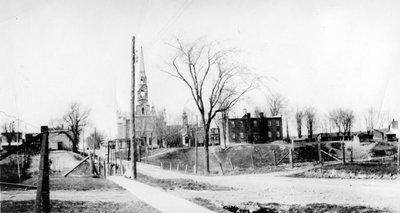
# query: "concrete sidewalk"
157, 198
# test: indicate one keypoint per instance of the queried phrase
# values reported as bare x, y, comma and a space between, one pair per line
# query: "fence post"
230, 161
19, 169
161, 165
321, 160
42, 201
186, 168
170, 166
344, 153
274, 155
222, 169
351, 152
252, 161
291, 151
104, 167
99, 166
177, 167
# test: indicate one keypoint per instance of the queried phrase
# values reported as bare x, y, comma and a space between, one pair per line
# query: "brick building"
254, 130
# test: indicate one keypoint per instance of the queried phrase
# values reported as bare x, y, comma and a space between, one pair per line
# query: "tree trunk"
207, 156
206, 143
299, 129
287, 131
224, 119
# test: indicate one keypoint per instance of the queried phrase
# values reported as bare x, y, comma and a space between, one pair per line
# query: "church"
145, 115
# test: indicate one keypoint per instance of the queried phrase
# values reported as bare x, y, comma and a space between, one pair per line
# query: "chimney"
261, 114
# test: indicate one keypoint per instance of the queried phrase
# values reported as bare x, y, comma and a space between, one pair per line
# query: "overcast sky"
320, 53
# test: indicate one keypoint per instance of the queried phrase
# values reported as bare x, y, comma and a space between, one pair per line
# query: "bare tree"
75, 119
325, 124
310, 114
371, 117
343, 119
213, 81
276, 103
95, 139
299, 121
385, 119
9, 132
161, 126
286, 116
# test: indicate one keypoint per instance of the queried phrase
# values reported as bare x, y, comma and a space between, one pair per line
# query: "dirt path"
275, 188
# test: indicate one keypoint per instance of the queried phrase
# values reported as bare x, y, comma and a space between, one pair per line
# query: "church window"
142, 110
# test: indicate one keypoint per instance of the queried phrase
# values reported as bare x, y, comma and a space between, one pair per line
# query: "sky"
319, 53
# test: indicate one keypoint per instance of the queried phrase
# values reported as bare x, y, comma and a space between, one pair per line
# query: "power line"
16, 118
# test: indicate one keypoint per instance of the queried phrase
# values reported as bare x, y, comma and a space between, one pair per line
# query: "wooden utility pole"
42, 201
133, 141
195, 146
94, 143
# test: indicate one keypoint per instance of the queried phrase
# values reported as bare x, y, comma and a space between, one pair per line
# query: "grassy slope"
356, 170
240, 156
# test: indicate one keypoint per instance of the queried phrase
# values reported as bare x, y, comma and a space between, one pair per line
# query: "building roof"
385, 131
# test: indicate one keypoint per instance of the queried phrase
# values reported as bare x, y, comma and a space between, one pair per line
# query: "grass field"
171, 184
252, 207
78, 206
233, 159
312, 208
355, 170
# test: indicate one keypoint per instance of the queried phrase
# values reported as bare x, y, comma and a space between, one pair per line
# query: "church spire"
143, 107
142, 71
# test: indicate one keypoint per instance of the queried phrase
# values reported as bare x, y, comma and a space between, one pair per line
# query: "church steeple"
142, 93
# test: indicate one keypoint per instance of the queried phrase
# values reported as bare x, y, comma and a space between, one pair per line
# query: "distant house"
333, 136
254, 130
364, 137
16, 138
58, 140
384, 135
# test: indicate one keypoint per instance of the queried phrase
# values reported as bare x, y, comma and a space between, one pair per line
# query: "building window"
233, 135
241, 135
269, 123
142, 110
269, 134
256, 136
233, 123
277, 123
255, 123
278, 134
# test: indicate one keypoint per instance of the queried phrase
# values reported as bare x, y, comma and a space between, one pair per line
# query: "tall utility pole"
133, 141
195, 146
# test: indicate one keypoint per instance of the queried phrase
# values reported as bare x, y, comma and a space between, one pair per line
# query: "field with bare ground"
353, 171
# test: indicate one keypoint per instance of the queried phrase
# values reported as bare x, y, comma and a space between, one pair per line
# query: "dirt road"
273, 187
